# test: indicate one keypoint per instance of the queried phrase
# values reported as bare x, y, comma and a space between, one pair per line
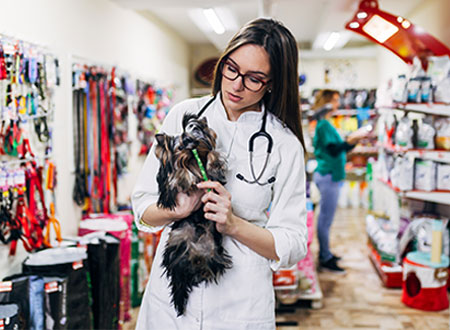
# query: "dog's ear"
160, 138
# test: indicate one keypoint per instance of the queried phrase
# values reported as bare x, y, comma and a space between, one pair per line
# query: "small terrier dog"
193, 253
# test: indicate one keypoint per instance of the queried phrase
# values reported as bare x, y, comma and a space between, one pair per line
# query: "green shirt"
327, 163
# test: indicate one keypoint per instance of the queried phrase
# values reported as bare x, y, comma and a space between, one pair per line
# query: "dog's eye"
192, 127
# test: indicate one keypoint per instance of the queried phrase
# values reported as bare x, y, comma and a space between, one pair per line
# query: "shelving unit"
438, 109
391, 273
430, 196
442, 156
291, 297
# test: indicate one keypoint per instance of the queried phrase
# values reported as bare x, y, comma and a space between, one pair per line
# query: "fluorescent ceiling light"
338, 38
379, 28
214, 20
331, 41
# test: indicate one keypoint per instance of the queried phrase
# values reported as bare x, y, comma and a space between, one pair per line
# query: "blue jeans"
329, 194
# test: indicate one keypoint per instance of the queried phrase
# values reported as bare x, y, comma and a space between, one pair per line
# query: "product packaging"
426, 90
425, 175
70, 263
399, 91
402, 174
443, 177
426, 136
414, 90
442, 133
404, 133
9, 317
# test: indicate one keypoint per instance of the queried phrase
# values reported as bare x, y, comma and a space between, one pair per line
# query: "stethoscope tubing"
261, 133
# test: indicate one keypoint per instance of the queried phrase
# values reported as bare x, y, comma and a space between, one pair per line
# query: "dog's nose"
188, 142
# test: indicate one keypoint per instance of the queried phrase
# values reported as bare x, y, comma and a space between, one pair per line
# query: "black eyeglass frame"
239, 74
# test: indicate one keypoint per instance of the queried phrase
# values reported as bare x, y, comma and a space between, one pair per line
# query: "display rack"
292, 297
438, 109
391, 273
442, 156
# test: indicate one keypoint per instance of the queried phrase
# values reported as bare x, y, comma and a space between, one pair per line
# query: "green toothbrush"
200, 164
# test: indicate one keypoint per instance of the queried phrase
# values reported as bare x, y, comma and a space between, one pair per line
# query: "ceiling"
305, 18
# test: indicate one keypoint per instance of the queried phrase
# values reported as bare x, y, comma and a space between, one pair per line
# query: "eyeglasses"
250, 81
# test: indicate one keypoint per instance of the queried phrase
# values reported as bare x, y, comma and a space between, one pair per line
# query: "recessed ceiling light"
214, 20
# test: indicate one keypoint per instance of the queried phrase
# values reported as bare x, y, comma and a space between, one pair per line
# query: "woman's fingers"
217, 186
214, 208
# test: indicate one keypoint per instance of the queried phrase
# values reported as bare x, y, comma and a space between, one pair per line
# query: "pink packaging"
118, 225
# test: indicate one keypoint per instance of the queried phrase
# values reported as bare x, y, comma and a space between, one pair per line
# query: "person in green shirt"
330, 152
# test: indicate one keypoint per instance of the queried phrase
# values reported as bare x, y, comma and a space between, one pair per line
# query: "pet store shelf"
292, 297
390, 274
431, 196
440, 197
442, 156
315, 297
438, 109
353, 112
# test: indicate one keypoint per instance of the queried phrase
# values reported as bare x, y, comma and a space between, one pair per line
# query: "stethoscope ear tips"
239, 176
271, 180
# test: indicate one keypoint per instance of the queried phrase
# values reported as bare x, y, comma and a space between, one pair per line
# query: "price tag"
77, 264
6, 286
51, 287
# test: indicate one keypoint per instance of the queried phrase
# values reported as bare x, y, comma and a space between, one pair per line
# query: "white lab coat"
244, 296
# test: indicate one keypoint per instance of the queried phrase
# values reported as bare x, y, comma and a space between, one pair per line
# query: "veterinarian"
255, 90
330, 152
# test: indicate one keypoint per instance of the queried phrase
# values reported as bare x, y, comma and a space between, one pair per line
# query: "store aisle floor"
358, 300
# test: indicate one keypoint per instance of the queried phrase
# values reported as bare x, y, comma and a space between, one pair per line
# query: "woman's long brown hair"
280, 45
323, 97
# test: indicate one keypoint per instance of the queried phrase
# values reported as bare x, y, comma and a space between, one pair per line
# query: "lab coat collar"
247, 116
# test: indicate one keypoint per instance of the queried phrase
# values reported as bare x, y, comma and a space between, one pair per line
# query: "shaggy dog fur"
193, 253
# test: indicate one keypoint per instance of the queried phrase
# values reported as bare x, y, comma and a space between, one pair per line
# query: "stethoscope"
261, 133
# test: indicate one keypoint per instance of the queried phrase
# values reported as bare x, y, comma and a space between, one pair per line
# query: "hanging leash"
52, 222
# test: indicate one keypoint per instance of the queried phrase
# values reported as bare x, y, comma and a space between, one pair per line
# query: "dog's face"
197, 134
179, 171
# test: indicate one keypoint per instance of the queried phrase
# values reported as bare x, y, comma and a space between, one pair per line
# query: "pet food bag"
103, 258
9, 317
70, 263
27, 293
118, 225
55, 303
424, 282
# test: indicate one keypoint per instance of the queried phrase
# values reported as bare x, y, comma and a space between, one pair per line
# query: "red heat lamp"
395, 33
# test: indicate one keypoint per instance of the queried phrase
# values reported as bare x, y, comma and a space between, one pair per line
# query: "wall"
200, 53
103, 33
343, 73
431, 15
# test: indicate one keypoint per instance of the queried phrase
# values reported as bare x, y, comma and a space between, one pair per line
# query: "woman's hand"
186, 204
218, 207
358, 135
